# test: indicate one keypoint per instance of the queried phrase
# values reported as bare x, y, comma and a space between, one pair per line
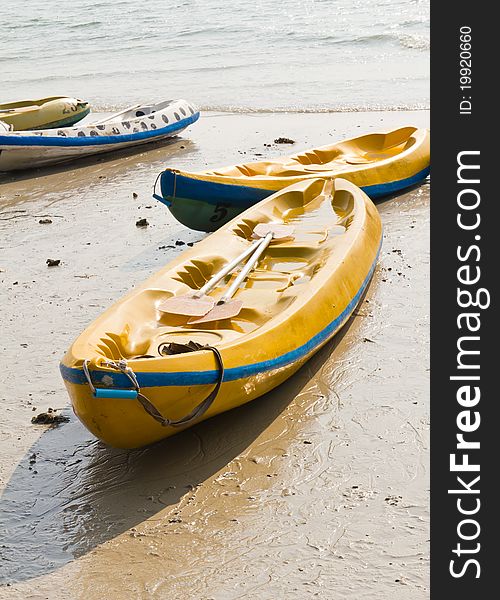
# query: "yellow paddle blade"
187, 305
227, 310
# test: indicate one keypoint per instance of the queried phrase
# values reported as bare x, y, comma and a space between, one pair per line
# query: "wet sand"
318, 489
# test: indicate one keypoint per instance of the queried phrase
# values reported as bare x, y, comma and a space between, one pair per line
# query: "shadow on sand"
70, 493
127, 157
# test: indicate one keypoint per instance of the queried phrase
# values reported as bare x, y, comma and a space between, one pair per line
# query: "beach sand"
318, 489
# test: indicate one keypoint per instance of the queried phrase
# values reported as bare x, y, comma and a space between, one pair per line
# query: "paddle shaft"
262, 245
225, 270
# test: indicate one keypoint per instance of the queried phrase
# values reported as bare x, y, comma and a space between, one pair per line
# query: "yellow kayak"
143, 371
44, 113
378, 163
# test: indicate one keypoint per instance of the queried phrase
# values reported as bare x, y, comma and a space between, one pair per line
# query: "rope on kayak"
148, 406
159, 196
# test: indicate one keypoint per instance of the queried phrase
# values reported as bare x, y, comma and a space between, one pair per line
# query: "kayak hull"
44, 113
23, 150
380, 164
205, 206
298, 298
125, 424
68, 121
27, 157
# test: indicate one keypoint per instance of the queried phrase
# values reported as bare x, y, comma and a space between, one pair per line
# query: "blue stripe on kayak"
184, 378
384, 189
179, 186
32, 140
174, 185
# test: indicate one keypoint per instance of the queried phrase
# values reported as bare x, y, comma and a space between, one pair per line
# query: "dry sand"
319, 489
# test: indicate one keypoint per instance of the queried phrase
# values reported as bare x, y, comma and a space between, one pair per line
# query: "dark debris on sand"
141, 223
284, 140
51, 417
53, 262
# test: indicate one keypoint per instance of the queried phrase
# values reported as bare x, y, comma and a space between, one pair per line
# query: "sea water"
263, 55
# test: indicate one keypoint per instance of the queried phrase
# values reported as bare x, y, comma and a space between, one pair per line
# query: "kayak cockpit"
320, 217
149, 110
344, 156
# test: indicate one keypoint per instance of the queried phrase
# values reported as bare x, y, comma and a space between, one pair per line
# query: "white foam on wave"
414, 41
287, 109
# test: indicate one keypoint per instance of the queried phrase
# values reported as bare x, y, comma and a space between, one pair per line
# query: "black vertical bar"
465, 127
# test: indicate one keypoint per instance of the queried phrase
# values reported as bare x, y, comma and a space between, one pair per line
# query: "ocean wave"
370, 39
91, 76
207, 30
84, 24
229, 108
414, 41
315, 110
31, 24
407, 40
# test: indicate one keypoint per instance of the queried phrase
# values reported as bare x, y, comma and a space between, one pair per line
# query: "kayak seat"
196, 273
380, 142
317, 156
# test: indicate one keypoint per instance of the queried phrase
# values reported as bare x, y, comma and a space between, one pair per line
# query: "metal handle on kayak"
125, 394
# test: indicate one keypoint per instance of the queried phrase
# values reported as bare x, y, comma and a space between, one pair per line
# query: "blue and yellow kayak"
44, 113
139, 374
378, 163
